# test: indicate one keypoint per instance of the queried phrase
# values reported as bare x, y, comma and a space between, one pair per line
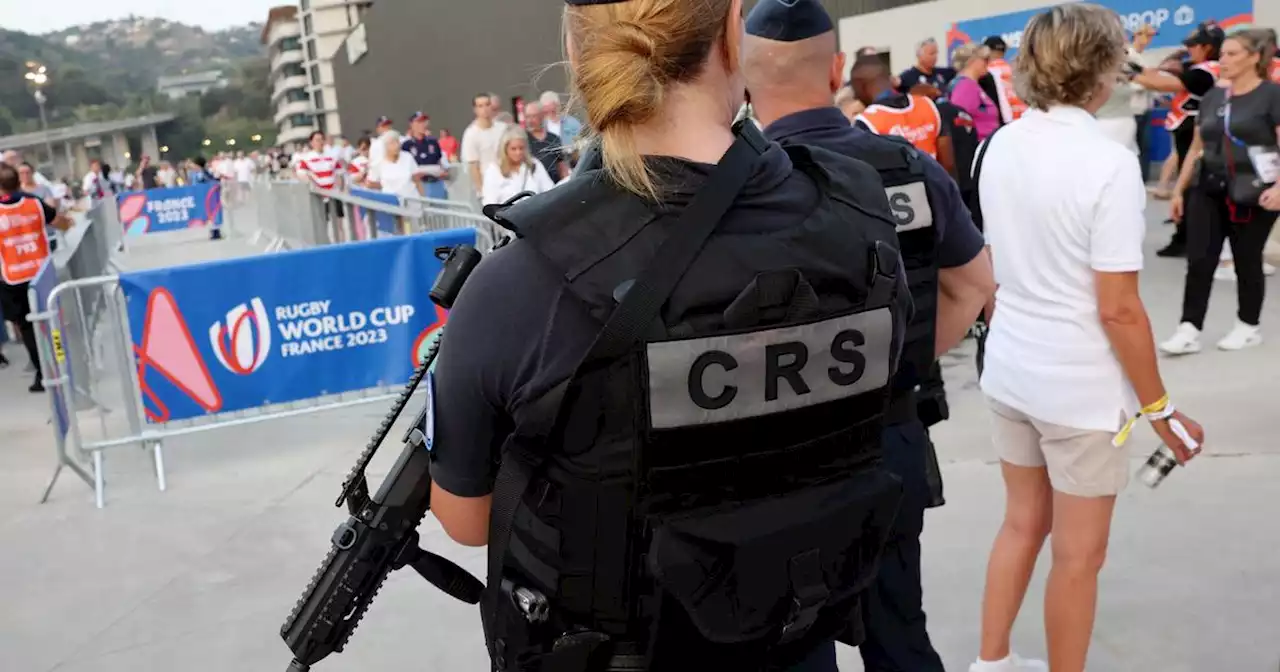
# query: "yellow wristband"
1157, 406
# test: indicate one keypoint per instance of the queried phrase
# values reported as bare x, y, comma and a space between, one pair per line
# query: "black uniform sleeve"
50, 213
511, 336
959, 240
1198, 82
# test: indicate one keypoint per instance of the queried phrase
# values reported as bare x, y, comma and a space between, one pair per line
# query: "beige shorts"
1080, 462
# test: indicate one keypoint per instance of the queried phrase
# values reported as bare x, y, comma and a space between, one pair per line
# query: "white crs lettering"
721, 378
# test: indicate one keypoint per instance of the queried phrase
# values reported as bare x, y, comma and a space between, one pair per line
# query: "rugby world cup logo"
243, 342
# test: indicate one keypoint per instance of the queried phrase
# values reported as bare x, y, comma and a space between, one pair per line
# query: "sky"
49, 15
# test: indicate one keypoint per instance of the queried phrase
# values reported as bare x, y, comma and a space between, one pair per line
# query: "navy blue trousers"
893, 611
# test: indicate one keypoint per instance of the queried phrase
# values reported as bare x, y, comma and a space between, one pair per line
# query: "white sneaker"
1013, 663
1241, 337
1268, 269
1185, 341
1226, 273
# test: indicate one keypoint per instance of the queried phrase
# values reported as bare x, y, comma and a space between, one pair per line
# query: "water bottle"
1157, 467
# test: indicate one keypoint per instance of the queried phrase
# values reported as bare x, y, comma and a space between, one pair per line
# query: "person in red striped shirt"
324, 171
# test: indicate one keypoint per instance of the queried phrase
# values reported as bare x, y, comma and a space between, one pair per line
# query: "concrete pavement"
200, 578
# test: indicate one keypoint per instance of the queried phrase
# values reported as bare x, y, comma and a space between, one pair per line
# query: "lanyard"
1226, 124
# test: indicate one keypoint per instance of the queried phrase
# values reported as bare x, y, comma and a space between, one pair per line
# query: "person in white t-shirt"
1070, 358
92, 185
515, 171
381, 128
480, 141
397, 173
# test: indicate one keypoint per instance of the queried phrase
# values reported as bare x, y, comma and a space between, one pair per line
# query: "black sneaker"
216, 234
36, 387
1174, 249
4, 361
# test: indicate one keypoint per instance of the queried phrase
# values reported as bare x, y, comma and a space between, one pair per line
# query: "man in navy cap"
793, 67
426, 152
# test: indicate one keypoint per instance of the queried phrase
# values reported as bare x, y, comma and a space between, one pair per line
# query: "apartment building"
294, 113
325, 26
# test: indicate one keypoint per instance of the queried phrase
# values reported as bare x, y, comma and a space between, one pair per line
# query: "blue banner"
384, 222
157, 210
1173, 20
39, 290
242, 333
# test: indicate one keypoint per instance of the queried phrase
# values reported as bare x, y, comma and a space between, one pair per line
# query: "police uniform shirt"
914, 76
958, 239
517, 329
425, 152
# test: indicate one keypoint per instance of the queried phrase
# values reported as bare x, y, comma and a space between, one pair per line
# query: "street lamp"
38, 75
256, 138
207, 142
231, 142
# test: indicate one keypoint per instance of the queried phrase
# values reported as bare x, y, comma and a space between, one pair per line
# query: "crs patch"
701, 381
909, 204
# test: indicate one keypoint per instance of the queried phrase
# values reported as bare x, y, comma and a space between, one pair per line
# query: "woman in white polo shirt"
1070, 356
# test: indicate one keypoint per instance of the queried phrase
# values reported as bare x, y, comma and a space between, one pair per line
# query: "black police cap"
788, 20
995, 43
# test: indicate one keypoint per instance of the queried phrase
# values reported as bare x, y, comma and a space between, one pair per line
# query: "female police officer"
661, 405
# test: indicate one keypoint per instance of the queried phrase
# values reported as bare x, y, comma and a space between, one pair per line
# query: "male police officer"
792, 66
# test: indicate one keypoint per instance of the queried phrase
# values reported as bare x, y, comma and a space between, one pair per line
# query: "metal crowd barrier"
86, 345
279, 213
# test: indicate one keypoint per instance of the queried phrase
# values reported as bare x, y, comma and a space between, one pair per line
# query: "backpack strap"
976, 207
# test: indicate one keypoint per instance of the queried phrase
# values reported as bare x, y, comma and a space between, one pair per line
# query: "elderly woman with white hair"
565, 126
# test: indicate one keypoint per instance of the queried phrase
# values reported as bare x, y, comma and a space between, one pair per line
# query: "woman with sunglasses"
1233, 193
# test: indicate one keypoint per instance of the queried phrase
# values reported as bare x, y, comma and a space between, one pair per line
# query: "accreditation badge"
1266, 163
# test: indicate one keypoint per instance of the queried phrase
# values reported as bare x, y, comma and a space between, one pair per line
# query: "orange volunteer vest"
1011, 106
23, 241
919, 122
1185, 105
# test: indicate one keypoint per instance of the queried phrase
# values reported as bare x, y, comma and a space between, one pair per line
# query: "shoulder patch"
909, 204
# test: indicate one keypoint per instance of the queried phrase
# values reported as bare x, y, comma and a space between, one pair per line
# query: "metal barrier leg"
48, 489
157, 450
99, 486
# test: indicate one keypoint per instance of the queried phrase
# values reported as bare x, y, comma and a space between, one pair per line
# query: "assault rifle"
381, 534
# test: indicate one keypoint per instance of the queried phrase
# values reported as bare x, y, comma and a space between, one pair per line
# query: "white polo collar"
1071, 115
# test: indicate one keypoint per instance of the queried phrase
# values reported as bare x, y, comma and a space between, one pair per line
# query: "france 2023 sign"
1173, 19
174, 209
238, 334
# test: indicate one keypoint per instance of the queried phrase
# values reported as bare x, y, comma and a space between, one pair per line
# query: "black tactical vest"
901, 167
713, 499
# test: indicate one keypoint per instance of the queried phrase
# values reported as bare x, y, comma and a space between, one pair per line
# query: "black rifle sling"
628, 323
